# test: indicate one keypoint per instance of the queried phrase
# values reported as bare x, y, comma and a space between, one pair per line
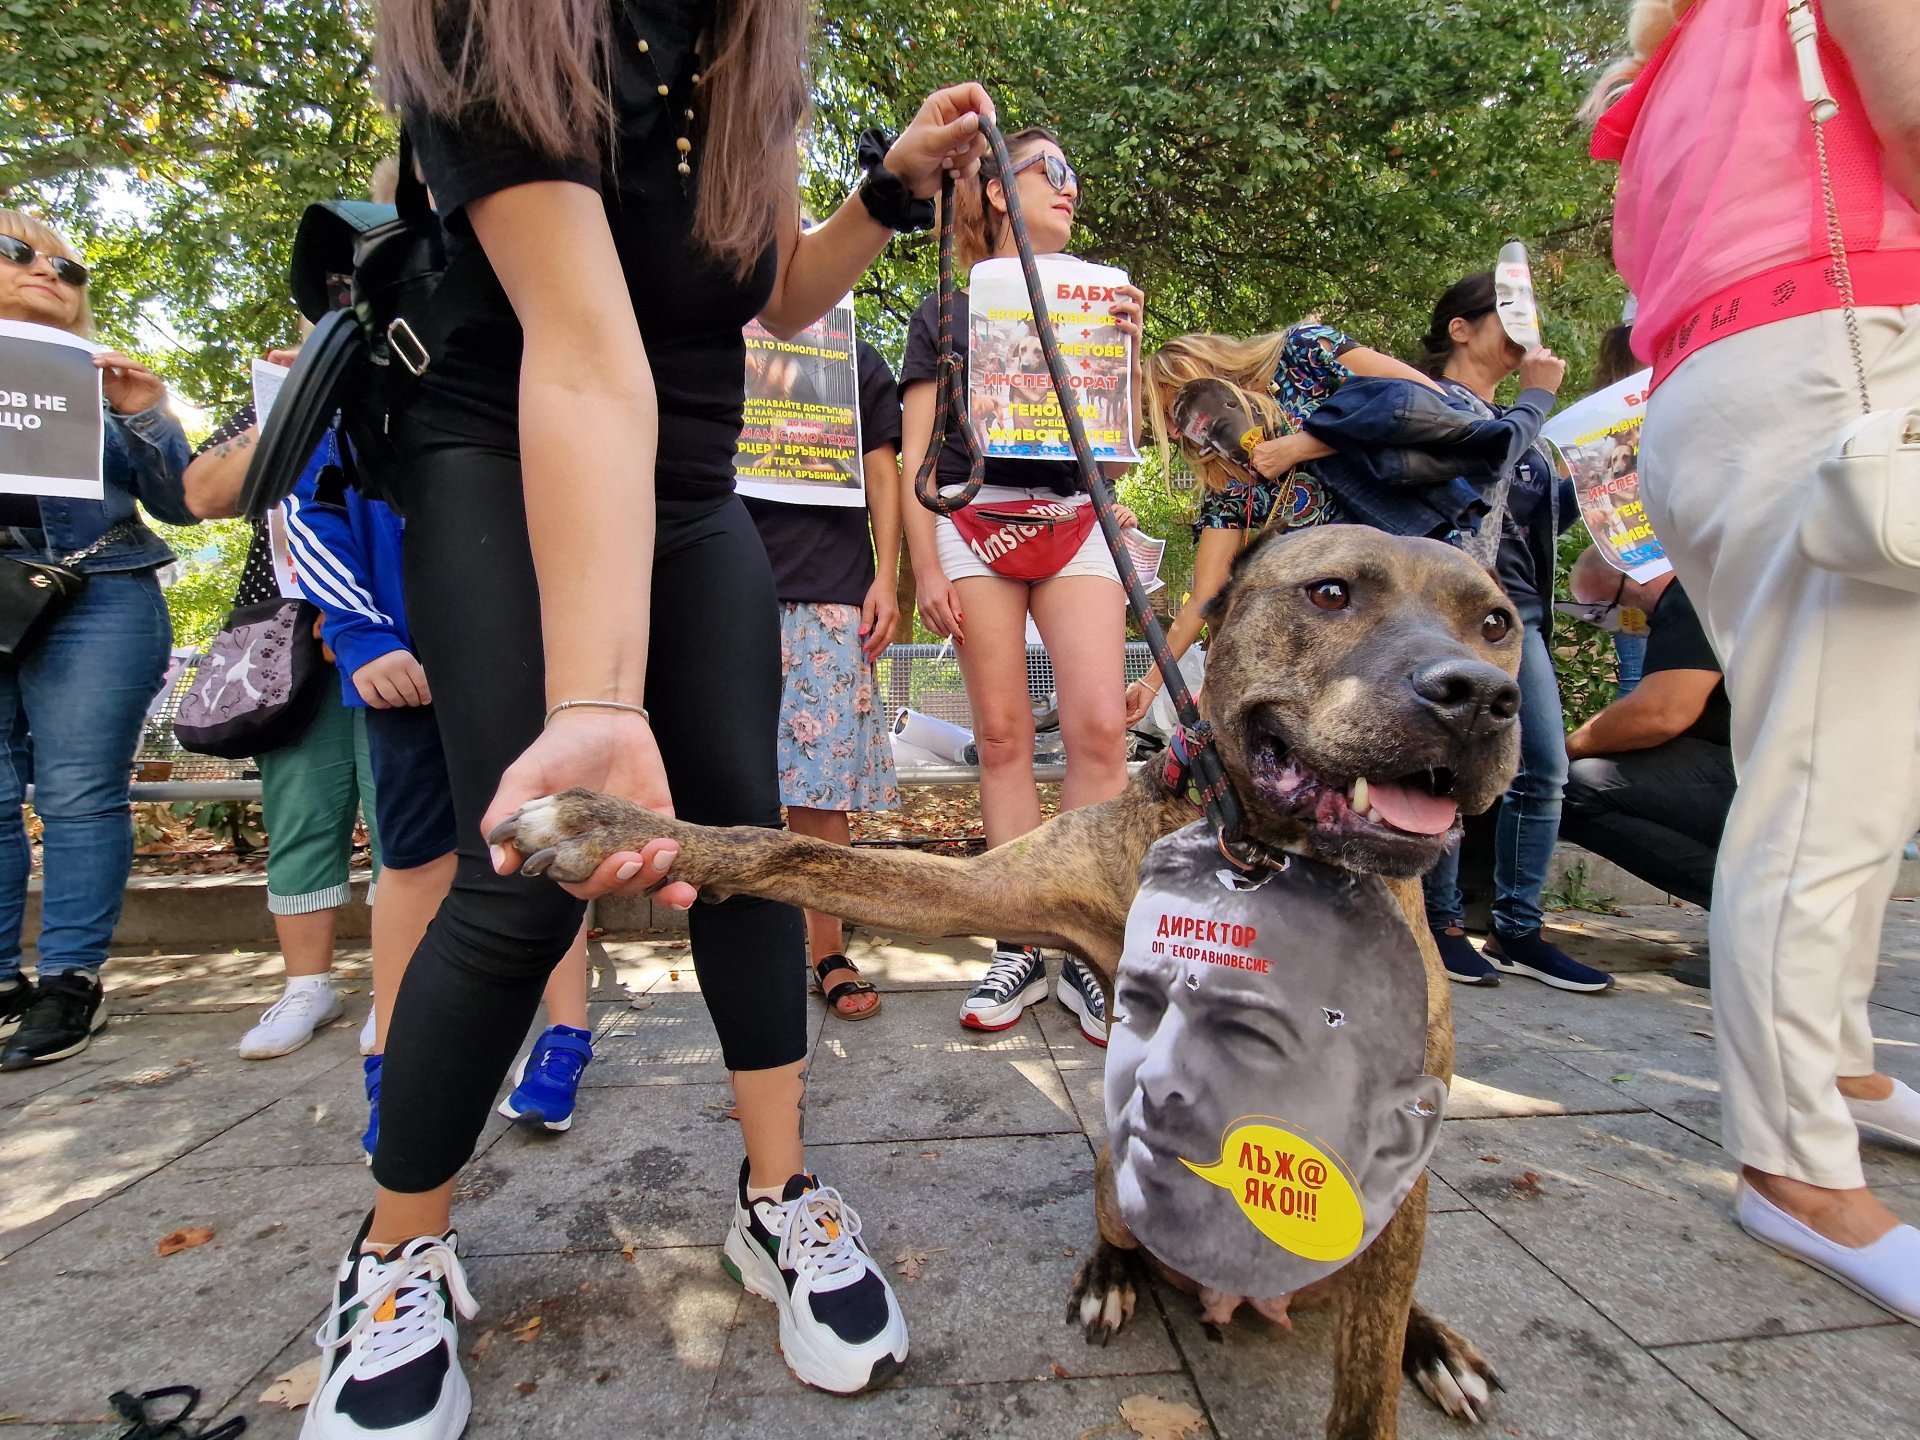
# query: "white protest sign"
800, 436
1010, 393
52, 429
267, 380
1600, 438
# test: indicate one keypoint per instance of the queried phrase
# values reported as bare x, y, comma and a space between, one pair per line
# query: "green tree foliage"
1251, 162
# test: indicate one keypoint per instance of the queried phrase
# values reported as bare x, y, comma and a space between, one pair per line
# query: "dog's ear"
1218, 608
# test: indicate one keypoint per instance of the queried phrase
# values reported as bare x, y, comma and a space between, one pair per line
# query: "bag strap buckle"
408, 347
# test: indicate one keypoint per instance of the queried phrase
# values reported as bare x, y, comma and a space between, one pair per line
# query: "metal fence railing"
918, 677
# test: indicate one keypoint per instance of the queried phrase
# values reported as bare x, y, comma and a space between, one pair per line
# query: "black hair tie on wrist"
885, 194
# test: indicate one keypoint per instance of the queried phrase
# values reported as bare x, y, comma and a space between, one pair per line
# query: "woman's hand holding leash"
607, 750
944, 135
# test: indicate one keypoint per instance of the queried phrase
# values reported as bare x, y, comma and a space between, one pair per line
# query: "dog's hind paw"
566, 836
1104, 1292
1447, 1368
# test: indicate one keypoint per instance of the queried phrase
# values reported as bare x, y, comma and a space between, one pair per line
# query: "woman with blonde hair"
1079, 609
82, 685
1724, 227
1280, 378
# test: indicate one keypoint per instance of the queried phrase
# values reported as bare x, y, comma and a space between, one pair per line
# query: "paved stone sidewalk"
1581, 1232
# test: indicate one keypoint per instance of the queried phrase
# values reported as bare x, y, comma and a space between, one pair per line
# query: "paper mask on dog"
1266, 1106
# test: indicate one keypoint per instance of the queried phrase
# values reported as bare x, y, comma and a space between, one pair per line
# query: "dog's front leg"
1375, 1294
1022, 891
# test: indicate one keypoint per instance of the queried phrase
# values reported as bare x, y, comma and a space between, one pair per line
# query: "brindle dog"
1341, 654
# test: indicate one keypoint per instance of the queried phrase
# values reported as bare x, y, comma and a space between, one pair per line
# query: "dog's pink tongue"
1414, 811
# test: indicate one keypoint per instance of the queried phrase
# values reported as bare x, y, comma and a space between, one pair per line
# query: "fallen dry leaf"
913, 1263
626, 1252
529, 1331
526, 1387
481, 1346
295, 1388
1528, 1185
175, 1241
1059, 1371
1491, 1159
1152, 1418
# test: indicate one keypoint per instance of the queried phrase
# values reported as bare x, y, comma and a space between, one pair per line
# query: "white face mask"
1513, 296
1266, 1106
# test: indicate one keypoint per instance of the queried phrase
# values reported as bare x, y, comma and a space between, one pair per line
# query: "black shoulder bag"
32, 592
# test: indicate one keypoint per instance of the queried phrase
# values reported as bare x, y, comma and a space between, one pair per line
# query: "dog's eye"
1496, 627
1330, 594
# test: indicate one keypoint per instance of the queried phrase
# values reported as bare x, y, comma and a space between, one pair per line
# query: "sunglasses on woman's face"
1060, 174
70, 272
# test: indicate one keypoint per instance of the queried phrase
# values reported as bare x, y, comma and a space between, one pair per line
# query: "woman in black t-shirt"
574, 550
1080, 609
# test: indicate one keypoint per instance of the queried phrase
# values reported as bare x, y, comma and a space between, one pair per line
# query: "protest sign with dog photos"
52, 430
800, 440
1600, 439
1009, 390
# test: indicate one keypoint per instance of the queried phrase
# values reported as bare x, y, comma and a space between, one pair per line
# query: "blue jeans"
76, 701
1528, 824
1631, 652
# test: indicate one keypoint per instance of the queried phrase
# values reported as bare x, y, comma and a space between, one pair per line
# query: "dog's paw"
1104, 1292
566, 836
1448, 1370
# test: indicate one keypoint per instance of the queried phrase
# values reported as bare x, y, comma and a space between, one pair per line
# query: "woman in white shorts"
1075, 599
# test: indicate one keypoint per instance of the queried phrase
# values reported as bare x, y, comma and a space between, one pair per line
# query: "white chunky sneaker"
392, 1348
291, 1020
1016, 979
840, 1327
367, 1031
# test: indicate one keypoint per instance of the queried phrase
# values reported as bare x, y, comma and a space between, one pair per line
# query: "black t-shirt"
822, 554
922, 362
690, 309
1677, 641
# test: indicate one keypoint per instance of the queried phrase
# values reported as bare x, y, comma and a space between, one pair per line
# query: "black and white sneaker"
840, 1327
14, 1001
1016, 979
64, 1014
1079, 990
392, 1366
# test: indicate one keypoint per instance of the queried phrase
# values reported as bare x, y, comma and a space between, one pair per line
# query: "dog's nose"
1468, 696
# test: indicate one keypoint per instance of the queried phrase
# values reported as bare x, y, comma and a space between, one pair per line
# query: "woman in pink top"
1721, 230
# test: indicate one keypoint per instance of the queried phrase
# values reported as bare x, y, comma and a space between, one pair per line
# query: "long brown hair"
542, 66
976, 224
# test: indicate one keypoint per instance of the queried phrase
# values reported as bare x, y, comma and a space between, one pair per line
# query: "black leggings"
713, 686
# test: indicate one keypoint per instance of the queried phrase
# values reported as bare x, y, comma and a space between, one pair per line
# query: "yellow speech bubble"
1296, 1194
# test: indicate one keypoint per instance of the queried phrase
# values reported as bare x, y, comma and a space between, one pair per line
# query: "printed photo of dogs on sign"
1361, 696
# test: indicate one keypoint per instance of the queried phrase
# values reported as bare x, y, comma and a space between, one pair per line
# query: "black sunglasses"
1059, 173
70, 272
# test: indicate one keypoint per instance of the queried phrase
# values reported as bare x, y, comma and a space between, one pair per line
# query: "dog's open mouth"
1417, 804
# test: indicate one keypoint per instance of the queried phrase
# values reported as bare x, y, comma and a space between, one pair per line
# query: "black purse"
32, 592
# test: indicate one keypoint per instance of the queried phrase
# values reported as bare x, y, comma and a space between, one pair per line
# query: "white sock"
322, 981
765, 1192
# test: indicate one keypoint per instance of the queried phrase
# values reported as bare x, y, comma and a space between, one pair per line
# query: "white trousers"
1824, 677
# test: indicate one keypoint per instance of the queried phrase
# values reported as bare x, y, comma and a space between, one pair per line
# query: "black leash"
950, 408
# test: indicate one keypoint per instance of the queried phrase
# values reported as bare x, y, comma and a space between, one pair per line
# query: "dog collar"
1178, 771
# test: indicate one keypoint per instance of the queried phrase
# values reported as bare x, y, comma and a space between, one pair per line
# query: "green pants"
313, 791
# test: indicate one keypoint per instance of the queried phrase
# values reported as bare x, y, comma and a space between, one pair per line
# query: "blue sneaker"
547, 1081
1465, 965
370, 1067
1532, 954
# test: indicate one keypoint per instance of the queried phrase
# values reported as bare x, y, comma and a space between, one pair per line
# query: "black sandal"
845, 988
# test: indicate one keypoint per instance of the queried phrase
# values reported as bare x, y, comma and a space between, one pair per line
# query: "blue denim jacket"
146, 460
1410, 461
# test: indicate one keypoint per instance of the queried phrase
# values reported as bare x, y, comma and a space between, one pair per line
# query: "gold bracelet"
639, 710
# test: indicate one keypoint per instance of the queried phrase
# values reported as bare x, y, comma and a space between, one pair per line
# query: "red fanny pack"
1025, 539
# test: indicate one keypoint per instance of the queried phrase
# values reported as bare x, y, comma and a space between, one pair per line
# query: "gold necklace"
683, 142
